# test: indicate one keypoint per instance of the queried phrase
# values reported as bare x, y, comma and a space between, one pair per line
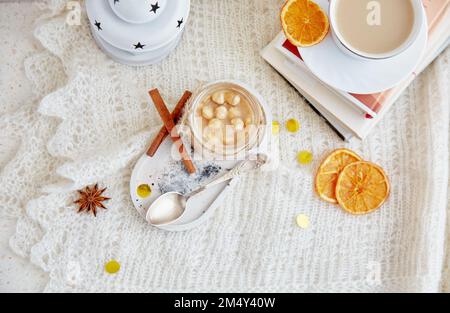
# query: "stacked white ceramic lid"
137, 32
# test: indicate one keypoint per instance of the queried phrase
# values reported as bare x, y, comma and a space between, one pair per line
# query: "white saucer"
341, 71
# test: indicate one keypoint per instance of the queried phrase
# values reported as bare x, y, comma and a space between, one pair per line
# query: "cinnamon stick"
171, 129
176, 115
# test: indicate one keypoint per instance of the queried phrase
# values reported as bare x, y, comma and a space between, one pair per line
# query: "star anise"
91, 199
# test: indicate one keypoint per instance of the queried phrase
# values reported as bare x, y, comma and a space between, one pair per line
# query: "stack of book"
354, 115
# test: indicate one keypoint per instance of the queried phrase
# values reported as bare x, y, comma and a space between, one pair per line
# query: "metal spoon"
170, 207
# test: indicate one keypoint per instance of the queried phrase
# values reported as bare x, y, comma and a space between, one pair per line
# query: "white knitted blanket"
91, 121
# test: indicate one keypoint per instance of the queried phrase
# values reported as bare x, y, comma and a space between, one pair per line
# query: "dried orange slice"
362, 188
329, 171
304, 23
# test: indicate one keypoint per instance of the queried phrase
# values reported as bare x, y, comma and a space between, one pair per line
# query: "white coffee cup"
346, 47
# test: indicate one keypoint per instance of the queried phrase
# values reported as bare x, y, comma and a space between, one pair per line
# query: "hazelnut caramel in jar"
227, 119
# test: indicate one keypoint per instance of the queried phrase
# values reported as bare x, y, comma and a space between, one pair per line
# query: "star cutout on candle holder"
180, 22
139, 46
98, 25
155, 7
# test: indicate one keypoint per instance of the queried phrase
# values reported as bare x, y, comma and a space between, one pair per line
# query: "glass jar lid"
254, 134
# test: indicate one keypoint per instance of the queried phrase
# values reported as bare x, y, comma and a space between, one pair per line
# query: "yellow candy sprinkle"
275, 128
112, 267
303, 221
293, 125
304, 157
144, 191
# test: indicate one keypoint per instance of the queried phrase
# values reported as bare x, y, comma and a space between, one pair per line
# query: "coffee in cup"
375, 29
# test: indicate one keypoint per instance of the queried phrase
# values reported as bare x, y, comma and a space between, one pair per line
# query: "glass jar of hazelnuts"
228, 120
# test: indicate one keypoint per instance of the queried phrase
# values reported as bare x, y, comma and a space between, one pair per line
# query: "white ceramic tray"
163, 174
